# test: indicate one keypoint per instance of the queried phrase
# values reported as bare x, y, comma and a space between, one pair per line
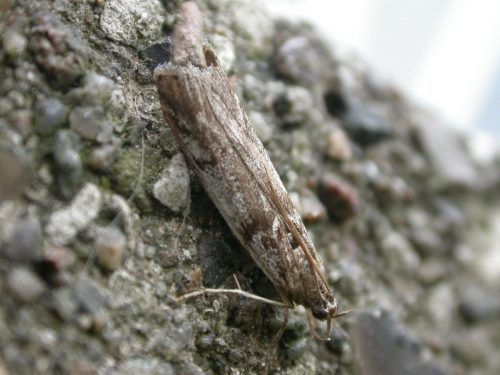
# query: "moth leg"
236, 281
312, 326
277, 339
283, 327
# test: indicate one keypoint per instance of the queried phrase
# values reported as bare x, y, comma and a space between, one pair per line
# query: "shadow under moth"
223, 149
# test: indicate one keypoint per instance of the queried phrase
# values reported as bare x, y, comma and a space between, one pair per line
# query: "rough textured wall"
102, 224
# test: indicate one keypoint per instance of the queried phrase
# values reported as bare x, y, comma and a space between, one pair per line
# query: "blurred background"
444, 54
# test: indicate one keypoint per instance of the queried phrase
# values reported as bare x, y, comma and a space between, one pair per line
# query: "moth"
223, 149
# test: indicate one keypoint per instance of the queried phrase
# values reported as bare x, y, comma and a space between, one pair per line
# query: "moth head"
324, 309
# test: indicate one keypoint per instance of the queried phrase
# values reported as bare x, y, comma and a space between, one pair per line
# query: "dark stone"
477, 304
335, 103
293, 106
219, 261
337, 343
281, 105
245, 314
385, 348
52, 264
340, 199
157, 54
365, 125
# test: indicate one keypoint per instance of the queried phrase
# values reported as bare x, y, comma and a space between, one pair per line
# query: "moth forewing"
224, 151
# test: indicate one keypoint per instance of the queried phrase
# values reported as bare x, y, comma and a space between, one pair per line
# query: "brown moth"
222, 148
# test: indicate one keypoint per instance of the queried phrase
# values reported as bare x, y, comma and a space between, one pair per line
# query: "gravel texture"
102, 224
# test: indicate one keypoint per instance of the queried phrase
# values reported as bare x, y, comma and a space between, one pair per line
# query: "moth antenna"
342, 313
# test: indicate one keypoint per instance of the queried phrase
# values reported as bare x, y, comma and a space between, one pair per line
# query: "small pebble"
67, 152
53, 49
110, 248
89, 295
253, 24
224, 49
24, 284
14, 43
302, 60
444, 147
21, 120
50, 114
366, 125
13, 172
64, 303
385, 347
337, 343
311, 208
24, 246
97, 90
262, 126
399, 252
478, 304
293, 107
65, 223
172, 189
297, 349
6, 106
101, 158
57, 258
341, 199
432, 271
337, 146
91, 123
